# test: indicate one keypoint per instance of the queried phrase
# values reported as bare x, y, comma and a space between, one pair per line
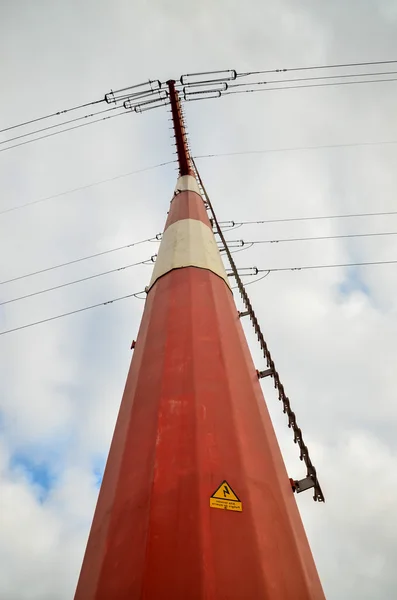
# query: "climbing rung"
267, 373
302, 485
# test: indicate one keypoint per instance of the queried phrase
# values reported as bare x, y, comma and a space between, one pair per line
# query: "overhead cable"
315, 238
251, 282
313, 67
136, 294
76, 260
308, 267
62, 285
85, 187
221, 75
55, 114
72, 312
304, 79
296, 149
42, 137
100, 112
204, 156
111, 97
310, 85
331, 266
316, 218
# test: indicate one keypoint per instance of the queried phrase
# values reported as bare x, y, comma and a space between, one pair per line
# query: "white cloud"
61, 382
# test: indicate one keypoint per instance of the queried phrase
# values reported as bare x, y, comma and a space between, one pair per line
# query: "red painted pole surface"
185, 167
195, 502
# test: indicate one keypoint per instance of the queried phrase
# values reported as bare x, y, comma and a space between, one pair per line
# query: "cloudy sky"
332, 332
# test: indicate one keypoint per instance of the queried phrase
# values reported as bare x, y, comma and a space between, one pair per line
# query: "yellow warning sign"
225, 498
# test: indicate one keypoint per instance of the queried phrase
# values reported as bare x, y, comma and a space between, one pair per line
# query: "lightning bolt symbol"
226, 491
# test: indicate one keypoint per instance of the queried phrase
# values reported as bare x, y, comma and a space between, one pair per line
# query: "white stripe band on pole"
188, 243
187, 183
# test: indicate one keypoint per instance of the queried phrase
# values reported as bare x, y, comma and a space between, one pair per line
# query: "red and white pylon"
195, 501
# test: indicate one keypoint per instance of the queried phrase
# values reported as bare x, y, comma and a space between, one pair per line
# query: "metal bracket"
151, 260
133, 344
262, 374
302, 485
245, 313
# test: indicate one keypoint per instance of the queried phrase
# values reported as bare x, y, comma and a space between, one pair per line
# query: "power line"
296, 149
72, 312
283, 70
143, 291
55, 114
251, 282
202, 156
85, 187
317, 78
310, 85
316, 238
100, 112
333, 266
317, 218
71, 262
57, 287
250, 243
313, 67
42, 137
